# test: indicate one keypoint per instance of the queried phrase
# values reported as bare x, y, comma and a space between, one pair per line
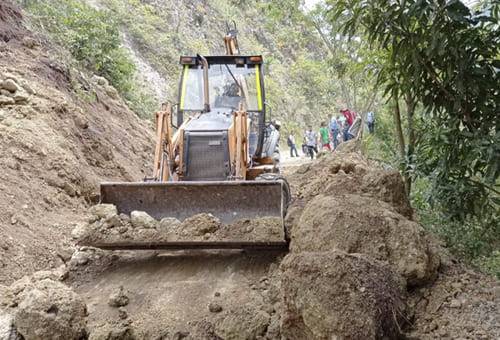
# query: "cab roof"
223, 59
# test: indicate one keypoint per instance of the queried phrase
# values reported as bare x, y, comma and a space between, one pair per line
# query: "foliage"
91, 35
444, 56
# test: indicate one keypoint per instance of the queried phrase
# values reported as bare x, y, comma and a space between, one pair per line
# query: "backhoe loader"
215, 153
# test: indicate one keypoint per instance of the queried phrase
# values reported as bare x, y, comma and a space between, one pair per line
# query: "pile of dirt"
107, 226
360, 224
41, 307
334, 295
61, 133
348, 205
350, 173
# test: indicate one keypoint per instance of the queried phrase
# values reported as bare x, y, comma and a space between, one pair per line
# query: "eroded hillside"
56, 145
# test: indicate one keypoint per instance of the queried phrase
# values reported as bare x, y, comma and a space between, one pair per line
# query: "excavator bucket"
229, 201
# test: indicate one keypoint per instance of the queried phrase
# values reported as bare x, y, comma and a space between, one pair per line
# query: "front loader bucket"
229, 201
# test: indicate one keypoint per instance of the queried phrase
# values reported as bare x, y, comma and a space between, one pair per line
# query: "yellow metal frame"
259, 90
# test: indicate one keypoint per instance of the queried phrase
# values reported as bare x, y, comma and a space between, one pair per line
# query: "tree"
445, 58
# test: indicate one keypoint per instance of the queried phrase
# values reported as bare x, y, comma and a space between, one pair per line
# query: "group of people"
340, 129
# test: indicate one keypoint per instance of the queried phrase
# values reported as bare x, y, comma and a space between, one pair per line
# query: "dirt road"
175, 289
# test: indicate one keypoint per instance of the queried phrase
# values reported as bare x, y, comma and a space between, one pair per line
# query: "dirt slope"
56, 145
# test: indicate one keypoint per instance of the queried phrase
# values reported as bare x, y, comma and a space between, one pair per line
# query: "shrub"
91, 35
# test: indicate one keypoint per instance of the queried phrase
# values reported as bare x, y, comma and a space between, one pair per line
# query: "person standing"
370, 120
291, 144
311, 142
349, 119
324, 136
335, 130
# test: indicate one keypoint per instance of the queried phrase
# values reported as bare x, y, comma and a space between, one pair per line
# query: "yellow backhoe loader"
215, 153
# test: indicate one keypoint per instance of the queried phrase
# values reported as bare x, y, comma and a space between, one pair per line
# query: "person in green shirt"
325, 136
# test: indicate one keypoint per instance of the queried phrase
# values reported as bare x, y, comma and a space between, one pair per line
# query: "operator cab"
232, 80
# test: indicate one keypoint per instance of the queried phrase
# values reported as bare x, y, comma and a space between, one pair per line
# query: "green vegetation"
441, 65
91, 36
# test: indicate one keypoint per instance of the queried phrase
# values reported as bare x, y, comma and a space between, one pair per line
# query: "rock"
27, 88
57, 274
9, 85
20, 97
443, 333
79, 231
113, 332
4, 100
168, 223
118, 298
102, 211
359, 224
69, 189
200, 224
214, 307
7, 329
122, 313
47, 309
321, 297
350, 173
81, 122
100, 80
141, 219
111, 91
29, 42
246, 323
79, 258
455, 303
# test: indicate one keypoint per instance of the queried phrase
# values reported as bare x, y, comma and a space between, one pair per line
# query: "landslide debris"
360, 224
41, 307
334, 295
106, 226
350, 173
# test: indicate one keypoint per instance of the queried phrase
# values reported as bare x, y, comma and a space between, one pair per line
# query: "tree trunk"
401, 142
399, 129
410, 107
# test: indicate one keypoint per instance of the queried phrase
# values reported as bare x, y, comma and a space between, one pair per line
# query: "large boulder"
358, 224
335, 295
44, 309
